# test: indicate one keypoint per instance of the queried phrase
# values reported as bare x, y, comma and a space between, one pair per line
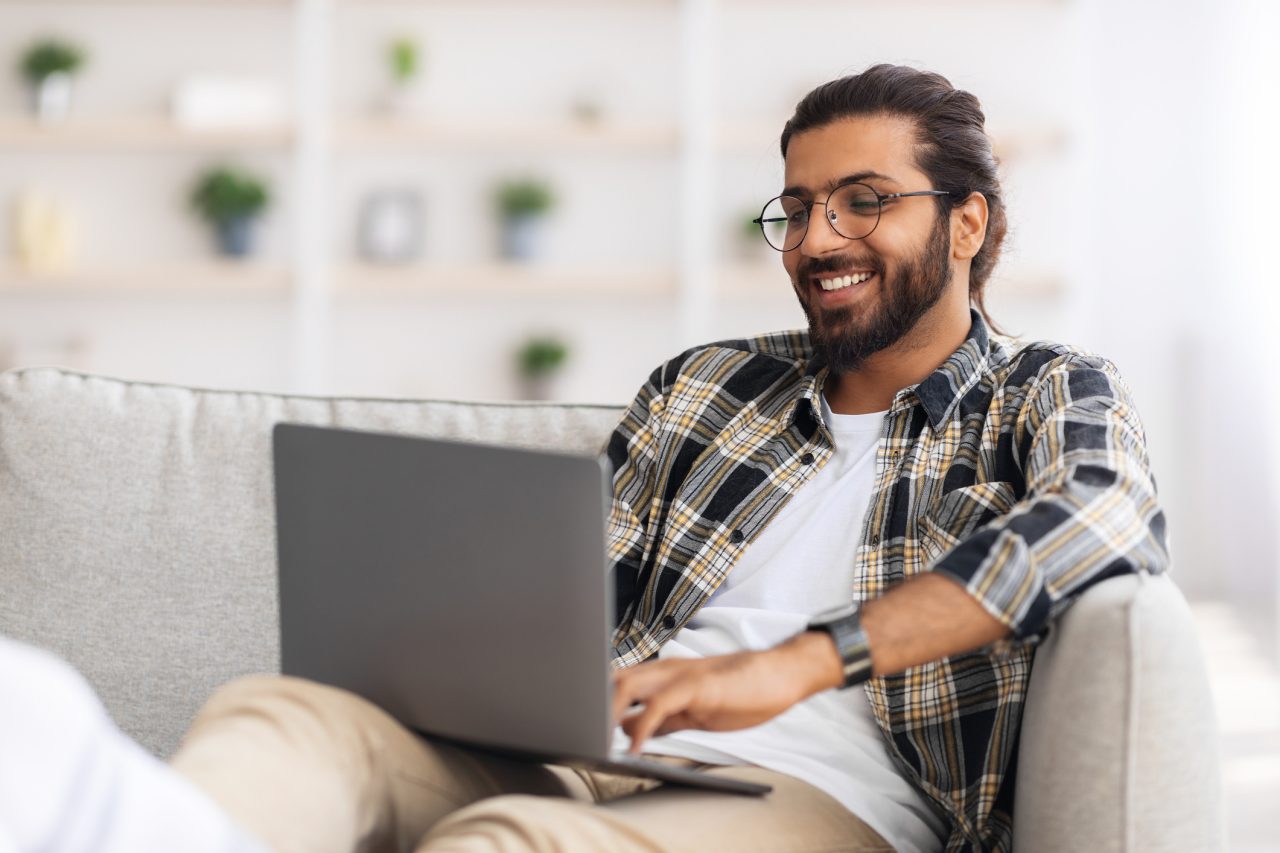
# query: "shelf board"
383, 132
178, 3
175, 278
760, 278
133, 134
507, 278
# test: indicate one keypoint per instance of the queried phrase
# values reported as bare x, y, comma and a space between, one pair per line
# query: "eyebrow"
800, 192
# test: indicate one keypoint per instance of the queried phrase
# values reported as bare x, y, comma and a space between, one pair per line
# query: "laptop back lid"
461, 587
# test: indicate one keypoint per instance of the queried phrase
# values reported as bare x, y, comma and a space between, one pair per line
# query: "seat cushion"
137, 523
1119, 741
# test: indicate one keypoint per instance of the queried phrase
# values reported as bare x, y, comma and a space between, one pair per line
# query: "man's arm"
1089, 512
927, 618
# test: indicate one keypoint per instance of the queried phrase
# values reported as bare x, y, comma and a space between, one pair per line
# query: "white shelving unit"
694, 282
174, 279
141, 134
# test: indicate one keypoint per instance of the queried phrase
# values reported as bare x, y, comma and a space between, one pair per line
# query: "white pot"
541, 388
53, 97
522, 236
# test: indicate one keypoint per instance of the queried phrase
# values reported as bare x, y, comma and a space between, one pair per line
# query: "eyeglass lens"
852, 209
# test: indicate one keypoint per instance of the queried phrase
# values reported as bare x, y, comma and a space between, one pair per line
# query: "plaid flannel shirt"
1019, 470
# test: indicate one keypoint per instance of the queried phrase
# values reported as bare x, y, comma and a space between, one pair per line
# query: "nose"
822, 236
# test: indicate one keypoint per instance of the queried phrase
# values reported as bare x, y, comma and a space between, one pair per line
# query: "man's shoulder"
745, 364
1019, 363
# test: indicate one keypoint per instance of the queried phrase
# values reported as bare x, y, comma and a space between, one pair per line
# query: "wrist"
815, 662
843, 627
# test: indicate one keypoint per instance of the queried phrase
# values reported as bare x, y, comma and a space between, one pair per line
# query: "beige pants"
312, 768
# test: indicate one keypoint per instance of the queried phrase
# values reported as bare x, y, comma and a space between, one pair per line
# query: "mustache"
810, 267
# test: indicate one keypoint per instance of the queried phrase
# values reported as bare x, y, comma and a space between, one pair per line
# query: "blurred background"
492, 199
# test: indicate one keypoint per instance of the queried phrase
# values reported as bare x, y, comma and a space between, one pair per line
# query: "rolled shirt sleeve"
1089, 511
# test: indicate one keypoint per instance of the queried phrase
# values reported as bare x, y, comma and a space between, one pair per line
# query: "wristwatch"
844, 624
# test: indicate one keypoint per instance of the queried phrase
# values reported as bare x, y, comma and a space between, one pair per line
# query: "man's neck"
872, 387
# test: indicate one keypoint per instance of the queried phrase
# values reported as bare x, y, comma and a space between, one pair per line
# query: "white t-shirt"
802, 564
71, 781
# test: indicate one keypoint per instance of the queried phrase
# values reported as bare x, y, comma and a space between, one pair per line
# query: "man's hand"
734, 691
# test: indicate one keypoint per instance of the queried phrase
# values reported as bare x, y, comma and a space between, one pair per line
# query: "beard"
845, 340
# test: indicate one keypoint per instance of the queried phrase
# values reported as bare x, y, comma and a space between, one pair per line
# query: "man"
948, 491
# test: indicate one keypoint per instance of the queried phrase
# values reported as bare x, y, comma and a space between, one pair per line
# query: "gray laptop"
461, 587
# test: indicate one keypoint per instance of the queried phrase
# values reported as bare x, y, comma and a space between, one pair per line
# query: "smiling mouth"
839, 282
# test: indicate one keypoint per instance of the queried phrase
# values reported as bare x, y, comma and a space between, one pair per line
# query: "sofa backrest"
137, 523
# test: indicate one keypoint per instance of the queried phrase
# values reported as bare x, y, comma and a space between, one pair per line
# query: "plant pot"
522, 236
400, 100
541, 387
235, 236
51, 97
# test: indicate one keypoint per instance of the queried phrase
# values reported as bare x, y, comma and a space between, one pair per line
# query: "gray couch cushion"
137, 533
1118, 749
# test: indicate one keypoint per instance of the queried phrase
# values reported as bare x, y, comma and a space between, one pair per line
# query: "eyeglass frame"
881, 198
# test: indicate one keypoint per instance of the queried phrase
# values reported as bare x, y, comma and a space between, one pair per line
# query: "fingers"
662, 714
634, 685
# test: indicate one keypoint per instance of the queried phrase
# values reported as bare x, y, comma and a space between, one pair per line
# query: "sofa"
137, 541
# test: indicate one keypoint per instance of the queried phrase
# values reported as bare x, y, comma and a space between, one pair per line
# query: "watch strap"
851, 643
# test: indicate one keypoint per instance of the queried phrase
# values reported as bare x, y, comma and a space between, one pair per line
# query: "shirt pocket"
959, 513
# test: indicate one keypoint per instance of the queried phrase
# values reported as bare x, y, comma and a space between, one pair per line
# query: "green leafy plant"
225, 193
749, 230
50, 56
541, 356
405, 57
524, 198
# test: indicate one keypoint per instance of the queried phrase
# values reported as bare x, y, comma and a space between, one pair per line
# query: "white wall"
1118, 110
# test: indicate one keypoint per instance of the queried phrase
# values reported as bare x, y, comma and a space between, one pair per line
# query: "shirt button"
668, 622
737, 536
875, 539
807, 459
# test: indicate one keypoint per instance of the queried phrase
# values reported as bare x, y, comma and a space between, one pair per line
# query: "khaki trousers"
311, 768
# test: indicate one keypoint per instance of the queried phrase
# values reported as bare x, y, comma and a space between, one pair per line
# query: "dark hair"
953, 148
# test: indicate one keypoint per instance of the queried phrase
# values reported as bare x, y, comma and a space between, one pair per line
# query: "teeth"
843, 281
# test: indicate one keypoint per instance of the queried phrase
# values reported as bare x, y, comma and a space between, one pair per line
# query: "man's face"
907, 255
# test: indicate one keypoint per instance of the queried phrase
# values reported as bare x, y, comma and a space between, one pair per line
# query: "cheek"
791, 262
884, 246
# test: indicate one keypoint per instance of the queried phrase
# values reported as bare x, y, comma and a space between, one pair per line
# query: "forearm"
925, 619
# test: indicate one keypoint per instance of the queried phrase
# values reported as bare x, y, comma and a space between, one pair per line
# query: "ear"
968, 227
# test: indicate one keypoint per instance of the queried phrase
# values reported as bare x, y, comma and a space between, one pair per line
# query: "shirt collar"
939, 393
942, 390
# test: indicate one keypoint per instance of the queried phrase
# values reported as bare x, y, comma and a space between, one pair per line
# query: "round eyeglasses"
853, 210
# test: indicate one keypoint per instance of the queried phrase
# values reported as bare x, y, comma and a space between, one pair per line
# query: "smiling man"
834, 550
947, 490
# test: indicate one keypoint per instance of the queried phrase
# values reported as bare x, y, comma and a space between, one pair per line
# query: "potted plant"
231, 201
523, 206
404, 61
48, 66
539, 360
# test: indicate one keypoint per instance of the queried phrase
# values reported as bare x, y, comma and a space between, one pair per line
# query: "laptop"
461, 587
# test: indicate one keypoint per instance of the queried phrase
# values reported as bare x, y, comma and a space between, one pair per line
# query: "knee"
274, 700
46, 702
247, 693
